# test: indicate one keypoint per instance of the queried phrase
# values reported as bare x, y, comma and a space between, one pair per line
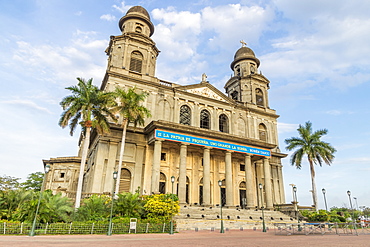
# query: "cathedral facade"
218, 147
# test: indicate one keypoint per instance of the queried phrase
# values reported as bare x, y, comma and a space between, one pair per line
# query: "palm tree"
129, 205
317, 151
131, 111
89, 107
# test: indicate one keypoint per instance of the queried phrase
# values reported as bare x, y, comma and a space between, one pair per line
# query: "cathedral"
217, 147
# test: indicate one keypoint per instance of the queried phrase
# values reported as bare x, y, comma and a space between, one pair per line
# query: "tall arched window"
136, 61
259, 97
262, 132
162, 183
185, 115
223, 123
205, 119
125, 180
243, 194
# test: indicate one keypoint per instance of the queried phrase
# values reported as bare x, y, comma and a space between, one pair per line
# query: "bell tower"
133, 52
246, 84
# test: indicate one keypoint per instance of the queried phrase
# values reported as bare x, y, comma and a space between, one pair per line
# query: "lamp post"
350, 202
263, 213
294, 199
111, 208
296, 211
326, 205
32, 232
222, 222
171, 223
355, 198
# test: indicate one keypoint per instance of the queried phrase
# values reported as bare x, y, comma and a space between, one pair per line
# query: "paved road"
189, 238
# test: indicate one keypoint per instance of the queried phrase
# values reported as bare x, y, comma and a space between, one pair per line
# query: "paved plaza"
189, 238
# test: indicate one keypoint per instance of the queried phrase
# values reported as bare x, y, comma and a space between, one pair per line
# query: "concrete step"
208, 218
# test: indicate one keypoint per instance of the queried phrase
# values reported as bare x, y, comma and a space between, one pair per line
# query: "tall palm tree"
89, 107
317, 151
131, 111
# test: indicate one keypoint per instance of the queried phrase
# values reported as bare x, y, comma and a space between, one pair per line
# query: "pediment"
205, 90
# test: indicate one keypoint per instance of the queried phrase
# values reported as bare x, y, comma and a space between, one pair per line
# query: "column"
251, 190
206, 176
281, 185
138, 169
275, 182
182, 175
229, 180
156, 166
268, 185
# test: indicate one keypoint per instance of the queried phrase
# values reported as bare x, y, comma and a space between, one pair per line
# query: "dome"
244, 53
139, 13
138, 9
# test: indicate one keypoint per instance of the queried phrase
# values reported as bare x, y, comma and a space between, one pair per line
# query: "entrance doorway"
243, 195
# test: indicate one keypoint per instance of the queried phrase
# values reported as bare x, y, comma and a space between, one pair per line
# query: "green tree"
131, 111
129, 205
34, 181
96, 207
12, 200
53, 208
309, 143
89, 107
8, 183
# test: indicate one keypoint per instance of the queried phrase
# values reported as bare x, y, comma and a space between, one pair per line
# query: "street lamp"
355, 198
324, 192
294, 199
111, 208
350, 202
263, 213
296, 207
32, 232
222, 222
171, 223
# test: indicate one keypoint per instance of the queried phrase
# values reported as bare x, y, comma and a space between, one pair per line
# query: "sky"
315, 54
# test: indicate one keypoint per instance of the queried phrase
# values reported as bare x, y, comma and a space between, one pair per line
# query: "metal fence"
22, 228
321, 228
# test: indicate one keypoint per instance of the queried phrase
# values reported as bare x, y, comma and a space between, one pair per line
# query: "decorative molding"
206, 92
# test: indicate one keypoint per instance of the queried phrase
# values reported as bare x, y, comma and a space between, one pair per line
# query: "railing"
72, 194
321, 228
22, 228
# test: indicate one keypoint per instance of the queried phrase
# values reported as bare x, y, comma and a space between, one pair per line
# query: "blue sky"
315, 54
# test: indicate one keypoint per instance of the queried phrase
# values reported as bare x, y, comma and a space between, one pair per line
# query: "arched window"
223, 123
162, 183
234, 95
259, 97
262, 132
125, 180
136, 61
243, 194
205, 120
185, 115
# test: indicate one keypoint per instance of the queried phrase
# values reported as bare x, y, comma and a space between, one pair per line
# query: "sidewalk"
188, 238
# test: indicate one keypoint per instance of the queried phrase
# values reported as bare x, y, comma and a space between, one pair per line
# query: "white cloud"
108, 17
287, 128
123, 8
82, 58
26, 103
192, 39
234, 22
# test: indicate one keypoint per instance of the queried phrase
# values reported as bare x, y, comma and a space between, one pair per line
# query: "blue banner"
172, 136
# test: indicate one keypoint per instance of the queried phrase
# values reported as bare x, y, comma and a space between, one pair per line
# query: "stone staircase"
208, 218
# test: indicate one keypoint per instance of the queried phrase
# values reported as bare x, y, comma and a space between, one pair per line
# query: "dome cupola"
136, 13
